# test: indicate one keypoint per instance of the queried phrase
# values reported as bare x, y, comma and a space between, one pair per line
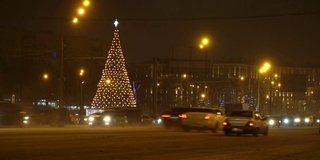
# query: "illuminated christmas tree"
114, 87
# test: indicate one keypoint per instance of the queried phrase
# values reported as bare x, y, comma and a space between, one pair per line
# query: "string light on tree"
114, 87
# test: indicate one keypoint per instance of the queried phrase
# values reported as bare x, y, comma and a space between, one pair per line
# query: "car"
13, 115
274, 121
172, 117
308, 120
203, 119
107, 118
26, 115
147, 120
245, 122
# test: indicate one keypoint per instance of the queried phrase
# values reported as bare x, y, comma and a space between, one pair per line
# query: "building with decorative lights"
172, 82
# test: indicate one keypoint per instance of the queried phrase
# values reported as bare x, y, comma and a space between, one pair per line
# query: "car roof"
192, 109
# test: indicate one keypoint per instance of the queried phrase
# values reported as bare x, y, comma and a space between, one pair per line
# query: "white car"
203, 119
245, 122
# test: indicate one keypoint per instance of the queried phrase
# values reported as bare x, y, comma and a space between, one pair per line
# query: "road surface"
155, 143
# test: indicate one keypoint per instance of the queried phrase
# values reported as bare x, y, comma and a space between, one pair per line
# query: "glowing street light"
81, 73
75, 20
266, 66
45, 76
263, 69
61, 85
86, 3
204, 43
80, 11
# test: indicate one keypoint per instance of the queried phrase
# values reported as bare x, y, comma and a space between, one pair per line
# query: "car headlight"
307, 120
286, 121
158, 121
91, 119
297, 120
25, 119
107, 119
271, 122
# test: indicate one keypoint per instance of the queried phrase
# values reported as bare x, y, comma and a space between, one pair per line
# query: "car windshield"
241, 114
181, 109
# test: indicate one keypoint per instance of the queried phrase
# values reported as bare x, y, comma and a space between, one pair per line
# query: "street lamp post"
184, 89
202, 45
61, 99
265, 67
81, 74
80, 12
81, 99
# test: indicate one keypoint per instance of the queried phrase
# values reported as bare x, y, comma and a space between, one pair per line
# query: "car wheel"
227, 133
266, 132
215, 129
255, 132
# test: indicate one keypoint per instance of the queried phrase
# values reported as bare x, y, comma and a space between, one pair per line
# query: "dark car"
108, 118
24, 115
147, 120
172, 118
12, 115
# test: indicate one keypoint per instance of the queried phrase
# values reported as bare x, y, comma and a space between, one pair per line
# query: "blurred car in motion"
44, 115
147, 120
245, 122
31, 116
108, 118
13, 115
203, 119
274, 121
307, 120
172, 118
301, 120
77, 119
150, 120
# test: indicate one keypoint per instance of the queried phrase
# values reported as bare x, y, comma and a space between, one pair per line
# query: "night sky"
272, 29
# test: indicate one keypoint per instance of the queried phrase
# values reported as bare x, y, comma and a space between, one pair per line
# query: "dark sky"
271, 29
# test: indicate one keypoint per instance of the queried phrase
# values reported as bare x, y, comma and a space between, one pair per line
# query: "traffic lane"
154, 143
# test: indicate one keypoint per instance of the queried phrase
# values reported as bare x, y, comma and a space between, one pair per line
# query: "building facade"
166, 83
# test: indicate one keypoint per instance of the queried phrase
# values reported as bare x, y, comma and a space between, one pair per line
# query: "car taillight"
225, 123
182, 116
250, 124
165, 115
207, 116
